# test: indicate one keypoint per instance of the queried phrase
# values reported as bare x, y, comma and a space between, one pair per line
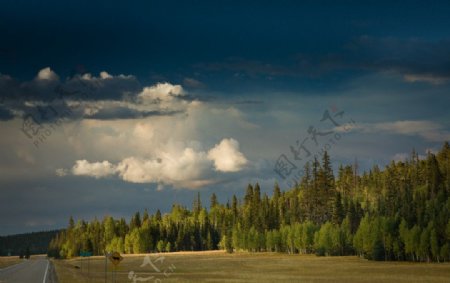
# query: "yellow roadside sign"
115, 258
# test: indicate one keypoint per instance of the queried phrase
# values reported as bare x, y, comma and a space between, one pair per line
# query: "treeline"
26, 244
399, 213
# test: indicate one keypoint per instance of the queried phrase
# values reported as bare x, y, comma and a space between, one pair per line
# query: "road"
35, 270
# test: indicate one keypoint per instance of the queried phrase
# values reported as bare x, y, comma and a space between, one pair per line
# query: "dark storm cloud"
251, 68
405, 56
363, 54
5, 114
48, 99
169, 37
127, 113
94, 88
9, 88
78, 87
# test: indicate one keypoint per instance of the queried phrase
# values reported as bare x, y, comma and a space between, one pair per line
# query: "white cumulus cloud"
105, 75
136, 170
47, 74
161, 91
96, 169
180, 168
227, 157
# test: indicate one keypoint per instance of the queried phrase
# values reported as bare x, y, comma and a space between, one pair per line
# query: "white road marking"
46, 270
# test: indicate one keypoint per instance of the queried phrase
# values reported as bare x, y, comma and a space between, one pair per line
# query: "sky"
112, 107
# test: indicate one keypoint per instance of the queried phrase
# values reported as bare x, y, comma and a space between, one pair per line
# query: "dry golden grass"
6, 261
218, 266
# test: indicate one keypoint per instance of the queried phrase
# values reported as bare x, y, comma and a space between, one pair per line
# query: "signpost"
106, 266
115, 259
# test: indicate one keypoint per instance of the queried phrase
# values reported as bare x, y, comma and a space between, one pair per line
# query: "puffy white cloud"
87, 77
96, 169
161, 92
105, 75
227, 157
47, 74
185, 168
136, 170
148, 137
189, 165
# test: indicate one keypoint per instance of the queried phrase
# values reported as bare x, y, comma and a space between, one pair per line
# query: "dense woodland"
26, 244
401, 212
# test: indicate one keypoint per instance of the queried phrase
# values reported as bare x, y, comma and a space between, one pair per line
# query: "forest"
399, 212
26, 244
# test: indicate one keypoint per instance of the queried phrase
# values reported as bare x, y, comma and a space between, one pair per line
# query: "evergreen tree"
213, 201
248, 195
338, 210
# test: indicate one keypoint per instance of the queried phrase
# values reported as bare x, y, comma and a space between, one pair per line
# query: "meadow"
218, 266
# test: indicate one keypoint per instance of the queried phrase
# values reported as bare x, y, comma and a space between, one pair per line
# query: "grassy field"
218, 266
6, 261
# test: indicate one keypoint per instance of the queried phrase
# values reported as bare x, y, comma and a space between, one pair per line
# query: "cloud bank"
105, 97
188, 168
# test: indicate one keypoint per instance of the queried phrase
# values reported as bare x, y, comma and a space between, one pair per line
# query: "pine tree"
135, 221
433, 177
338, 211
71, 223
109, 229
256, 208
443, 157
213, 201
327, 172
145, 216
248, 199
234, 208
256, 195
158, 216
307, 189
197, 204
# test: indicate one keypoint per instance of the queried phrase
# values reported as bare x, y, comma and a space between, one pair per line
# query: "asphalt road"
36, 270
